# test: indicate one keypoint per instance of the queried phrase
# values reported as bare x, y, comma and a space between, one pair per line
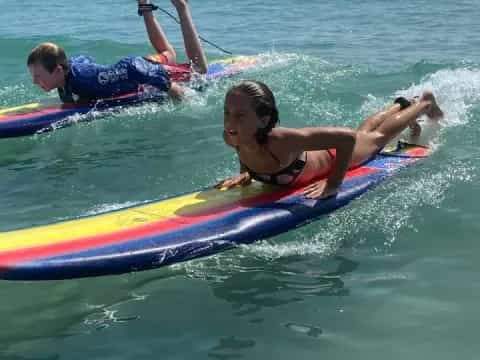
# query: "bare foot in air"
415, 128
433, 111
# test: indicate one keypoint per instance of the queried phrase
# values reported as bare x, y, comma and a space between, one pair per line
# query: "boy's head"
48, 65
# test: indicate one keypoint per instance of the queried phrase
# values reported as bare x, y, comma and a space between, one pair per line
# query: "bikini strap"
273, 155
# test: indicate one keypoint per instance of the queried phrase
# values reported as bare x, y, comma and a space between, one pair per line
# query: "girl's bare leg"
369, 142
373, 121
193, 48
157, 37
393, 126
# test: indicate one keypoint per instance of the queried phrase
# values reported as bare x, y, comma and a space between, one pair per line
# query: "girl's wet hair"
263, 102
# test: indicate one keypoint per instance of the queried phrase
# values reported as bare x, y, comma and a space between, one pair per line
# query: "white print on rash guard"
91, 81
112, 76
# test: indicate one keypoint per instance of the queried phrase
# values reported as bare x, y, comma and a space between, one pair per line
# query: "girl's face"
240, 120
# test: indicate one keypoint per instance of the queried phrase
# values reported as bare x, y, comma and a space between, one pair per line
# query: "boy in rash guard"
81, 79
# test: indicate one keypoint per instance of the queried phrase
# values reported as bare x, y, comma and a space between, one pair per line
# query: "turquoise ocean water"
393, 275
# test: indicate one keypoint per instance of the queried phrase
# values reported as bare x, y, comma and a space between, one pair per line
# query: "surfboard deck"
180, 228
31, 118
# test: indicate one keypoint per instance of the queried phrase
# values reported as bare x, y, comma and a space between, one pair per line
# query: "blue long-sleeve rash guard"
87, 80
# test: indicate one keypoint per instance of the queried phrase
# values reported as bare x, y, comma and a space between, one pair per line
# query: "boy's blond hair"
49, 55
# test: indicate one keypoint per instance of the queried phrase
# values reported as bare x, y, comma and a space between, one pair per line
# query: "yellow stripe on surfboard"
103, 224
27, 108
20, 109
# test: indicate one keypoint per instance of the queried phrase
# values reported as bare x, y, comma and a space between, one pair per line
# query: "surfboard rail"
180, 228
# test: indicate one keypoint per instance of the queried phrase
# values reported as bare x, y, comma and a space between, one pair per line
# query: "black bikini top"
285, 176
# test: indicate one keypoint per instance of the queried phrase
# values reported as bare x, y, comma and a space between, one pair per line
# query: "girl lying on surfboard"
287, 156
80, 79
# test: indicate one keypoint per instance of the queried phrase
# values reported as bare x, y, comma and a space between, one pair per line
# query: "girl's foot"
415, 129
433, 111
414, 126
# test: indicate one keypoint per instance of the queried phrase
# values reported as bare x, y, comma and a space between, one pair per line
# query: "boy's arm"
176, 91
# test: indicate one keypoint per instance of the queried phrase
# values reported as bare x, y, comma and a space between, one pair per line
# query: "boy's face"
45, 79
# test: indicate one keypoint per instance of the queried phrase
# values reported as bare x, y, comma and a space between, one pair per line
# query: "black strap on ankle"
143, 8
404, 103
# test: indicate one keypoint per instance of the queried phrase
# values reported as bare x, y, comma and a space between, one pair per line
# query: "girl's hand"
243, 179
320, 190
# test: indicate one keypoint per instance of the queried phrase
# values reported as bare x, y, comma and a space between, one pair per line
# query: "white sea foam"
457, 90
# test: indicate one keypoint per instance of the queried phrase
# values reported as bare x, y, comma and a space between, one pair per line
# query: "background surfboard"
31, 118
